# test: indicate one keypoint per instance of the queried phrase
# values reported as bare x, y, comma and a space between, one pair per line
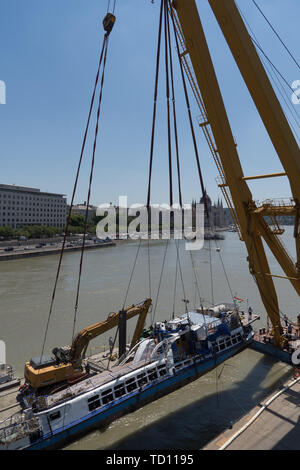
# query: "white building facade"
21, 206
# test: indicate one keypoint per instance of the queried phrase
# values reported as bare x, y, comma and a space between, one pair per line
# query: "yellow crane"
68, 365
249, 218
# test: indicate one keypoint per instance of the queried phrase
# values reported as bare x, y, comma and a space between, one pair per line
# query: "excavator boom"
41, 373
83, 338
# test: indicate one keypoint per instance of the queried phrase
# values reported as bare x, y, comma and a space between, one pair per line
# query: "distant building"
80, 209
217, 214
21, 206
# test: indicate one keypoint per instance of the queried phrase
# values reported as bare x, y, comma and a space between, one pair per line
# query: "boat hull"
131, 403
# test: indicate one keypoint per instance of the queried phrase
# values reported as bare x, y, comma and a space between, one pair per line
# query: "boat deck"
93, 381
293, 338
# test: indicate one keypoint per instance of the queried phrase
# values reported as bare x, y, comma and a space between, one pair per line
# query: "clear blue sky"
49, 52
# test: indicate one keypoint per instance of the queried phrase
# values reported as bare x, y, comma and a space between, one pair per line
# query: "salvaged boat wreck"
66, 395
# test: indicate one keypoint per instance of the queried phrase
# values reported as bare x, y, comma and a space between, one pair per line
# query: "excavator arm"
41, 372
83, 338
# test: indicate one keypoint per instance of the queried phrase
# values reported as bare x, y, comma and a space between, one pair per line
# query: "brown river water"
196, 413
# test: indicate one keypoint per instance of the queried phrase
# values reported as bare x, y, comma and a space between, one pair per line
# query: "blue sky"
48, 58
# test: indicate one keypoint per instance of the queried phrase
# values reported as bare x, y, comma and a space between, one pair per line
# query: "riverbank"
21, 252
274, 424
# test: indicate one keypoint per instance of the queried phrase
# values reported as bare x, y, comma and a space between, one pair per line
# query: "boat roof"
200, 319
195, 318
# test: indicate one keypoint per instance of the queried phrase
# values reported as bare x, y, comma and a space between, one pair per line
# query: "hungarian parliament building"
218, 215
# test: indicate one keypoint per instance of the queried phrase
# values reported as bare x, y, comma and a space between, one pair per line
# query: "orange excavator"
66, 364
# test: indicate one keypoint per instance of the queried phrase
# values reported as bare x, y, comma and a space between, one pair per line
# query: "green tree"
6, 232
77, 221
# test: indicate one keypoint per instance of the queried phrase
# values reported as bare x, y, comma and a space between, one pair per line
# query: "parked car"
97, 242
9, 248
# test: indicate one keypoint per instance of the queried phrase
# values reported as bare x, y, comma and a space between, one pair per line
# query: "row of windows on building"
13, 203
29, 198
56, 212
36, 221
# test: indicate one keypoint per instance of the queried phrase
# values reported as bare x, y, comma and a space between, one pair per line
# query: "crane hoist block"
109, 22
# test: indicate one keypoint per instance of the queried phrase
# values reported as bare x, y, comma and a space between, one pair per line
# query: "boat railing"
211, 327
6, 370
277, 202
67, 392
19, 423
165, 345
129, 354
11, 422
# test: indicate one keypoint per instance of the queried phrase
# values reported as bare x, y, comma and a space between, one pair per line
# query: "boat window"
239, 337
107, 399
222, 346
188, 361
94, 403
93, 398
119, 390
234, 340
142, 379
152, 374
162, 372
131, 385
54, 416
129, 381
228, 342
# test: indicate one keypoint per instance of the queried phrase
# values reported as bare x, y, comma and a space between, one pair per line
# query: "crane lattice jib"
214, 121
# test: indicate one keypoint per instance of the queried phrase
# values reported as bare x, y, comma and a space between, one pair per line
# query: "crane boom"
252, 225
260, 88
266, 101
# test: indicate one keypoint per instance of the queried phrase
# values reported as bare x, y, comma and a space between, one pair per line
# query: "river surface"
189, 417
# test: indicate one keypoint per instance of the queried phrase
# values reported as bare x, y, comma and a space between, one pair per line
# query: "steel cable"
73, 196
